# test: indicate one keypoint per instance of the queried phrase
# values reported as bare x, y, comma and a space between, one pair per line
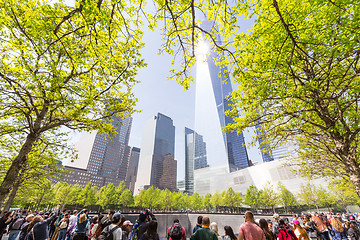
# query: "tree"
126, 198
286, 198
325, 198
344, 193
269, 197
64, 66
297, 71
232, 199
196, 201
253, 197
308, 195
216, 200
207, 201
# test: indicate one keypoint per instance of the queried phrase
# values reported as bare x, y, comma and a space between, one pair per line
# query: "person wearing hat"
126, 228
142, 224
115, 223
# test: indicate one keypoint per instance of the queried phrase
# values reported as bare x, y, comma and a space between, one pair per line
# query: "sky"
157, 94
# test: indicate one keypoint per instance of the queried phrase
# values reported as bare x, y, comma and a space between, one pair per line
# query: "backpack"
98, 231
176, 231
18, 223
107, 234
289, 235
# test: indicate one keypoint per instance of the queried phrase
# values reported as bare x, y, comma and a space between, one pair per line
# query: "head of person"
116, 218
281, 222
206, 221
249, 216
23, 212
111, 214
296, 223
263, 224
127, 225
94, 220
75, 212
214, 227
270, 223
100, 217
229, 231
82, 217
151, 231
36, 219
276, 217
142, 217
176, 220
64, 211
29, 217
199, 220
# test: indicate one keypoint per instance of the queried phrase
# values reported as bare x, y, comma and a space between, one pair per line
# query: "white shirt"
117, 234
72, 220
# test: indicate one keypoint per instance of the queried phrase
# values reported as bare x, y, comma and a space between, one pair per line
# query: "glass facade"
264, 147
158, 142
212, 89
195, 157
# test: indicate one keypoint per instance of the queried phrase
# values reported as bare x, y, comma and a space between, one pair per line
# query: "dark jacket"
40, 231
23, 231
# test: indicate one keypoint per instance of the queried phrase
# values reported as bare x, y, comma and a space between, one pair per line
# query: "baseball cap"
295, 221
127, 222
116, 215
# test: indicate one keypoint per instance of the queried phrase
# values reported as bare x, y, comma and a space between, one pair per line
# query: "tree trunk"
12, 195
16, 165
355, 179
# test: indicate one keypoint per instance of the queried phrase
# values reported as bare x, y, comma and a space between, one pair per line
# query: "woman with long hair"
38, 229
299, 231
151, 232
97, 228
263, 224
81, 221
229, 233
339, 231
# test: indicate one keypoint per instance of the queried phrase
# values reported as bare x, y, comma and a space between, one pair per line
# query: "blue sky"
156, 94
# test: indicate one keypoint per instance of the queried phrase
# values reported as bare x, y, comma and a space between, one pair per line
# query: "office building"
108, 159
195, 157
132, 169
213, 87
158, 141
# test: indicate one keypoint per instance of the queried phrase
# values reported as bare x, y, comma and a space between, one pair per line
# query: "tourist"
263, 224
338, 229
352, 231
4, 221
151, 231
97, 228
310, 227
204, 233
214, 227
275, 224
81, 221
176, 231
38, 229
299, 231
198, 224
63, 226
23, 230
142, 224
15, 225
72, 225
126, 228
229, 233
285, 232
106, 221
115, 226
322, 228
249, 230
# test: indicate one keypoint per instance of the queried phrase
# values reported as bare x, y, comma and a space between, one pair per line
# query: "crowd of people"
74, 225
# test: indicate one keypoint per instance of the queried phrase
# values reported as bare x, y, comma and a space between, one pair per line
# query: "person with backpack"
112, 231
141, 224
151, 231
284, 232
15, 225
249, 229
176, 231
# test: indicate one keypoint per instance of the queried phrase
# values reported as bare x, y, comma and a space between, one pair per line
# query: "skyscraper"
195, 157
264, 147
132, 169
158, 141
212, 88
